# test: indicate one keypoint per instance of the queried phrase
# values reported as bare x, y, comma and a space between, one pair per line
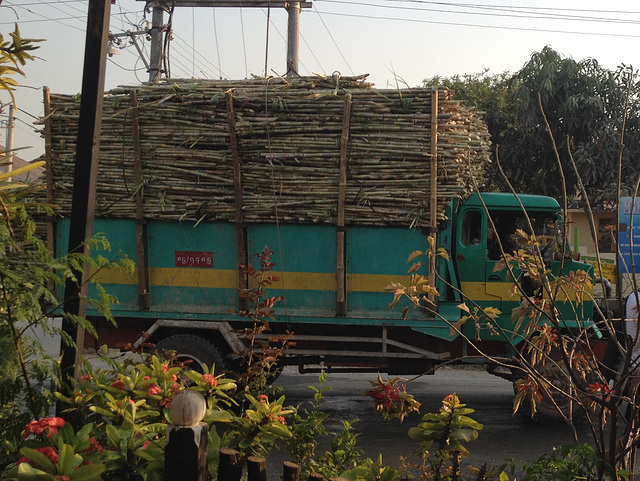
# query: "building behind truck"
340, 180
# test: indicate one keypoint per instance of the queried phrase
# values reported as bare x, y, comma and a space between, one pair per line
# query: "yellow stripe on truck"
228, 279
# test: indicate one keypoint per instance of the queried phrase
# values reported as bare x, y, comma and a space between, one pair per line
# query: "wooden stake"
237, 182
144, 300
341, 281
433, 201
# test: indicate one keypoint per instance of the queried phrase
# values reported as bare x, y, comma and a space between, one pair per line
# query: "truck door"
500, 228
474, 269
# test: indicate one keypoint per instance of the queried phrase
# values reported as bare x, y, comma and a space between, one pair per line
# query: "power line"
332, 39
521, 13
497, 27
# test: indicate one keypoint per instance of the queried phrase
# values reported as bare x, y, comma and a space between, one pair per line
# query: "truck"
323, 201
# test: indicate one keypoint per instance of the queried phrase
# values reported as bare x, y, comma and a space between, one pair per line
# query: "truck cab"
485, 227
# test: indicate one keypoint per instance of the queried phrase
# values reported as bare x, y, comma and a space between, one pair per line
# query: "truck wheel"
547, 408
195, 350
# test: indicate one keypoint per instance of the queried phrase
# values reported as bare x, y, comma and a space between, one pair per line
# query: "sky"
399, 43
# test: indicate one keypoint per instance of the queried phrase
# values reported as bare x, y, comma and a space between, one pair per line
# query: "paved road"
504, 435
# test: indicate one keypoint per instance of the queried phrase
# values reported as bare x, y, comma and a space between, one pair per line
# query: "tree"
587, 107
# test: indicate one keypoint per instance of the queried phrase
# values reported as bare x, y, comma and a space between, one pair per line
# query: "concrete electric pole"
293, 32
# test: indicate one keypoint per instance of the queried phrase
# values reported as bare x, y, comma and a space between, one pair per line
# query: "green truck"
193, 287
340, 181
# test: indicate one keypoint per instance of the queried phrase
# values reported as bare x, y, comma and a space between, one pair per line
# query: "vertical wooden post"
48, 167
316, 477
186, 455
143, 281
256, 469
341, 272
230, 465
237, 182
85, 179
291, 471
433, 200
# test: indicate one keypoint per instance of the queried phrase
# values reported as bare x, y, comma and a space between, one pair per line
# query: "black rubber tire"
546, 411
195, 350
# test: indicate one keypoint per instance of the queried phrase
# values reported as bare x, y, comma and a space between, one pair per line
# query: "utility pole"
85, 176
155, 56
293, 32
293, 35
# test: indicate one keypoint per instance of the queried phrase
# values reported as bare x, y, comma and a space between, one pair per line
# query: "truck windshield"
507, 222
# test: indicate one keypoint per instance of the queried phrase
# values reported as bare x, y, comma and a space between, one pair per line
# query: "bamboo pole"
341, 272
48, 168
433, 213
144, 300
237, 181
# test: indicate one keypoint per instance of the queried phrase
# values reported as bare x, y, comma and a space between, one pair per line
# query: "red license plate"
194, 259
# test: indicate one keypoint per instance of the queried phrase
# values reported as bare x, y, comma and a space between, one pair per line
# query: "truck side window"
472, 228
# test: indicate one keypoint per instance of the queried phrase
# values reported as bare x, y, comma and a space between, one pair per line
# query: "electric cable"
244, 46
476, 25
520, 13
215, 38
333, 40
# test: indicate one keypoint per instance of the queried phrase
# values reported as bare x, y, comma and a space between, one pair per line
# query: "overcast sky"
396, 42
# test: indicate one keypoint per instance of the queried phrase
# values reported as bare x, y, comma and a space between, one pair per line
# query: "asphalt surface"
504, 435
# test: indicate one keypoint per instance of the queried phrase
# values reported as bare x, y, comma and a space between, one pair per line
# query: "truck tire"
546, 410
195, 350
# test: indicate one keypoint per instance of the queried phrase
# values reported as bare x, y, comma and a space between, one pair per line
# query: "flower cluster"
390, 398
48, 425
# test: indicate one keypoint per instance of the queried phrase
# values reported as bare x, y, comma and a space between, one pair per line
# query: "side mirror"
560, 233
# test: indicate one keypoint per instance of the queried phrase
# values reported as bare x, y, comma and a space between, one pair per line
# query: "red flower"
165, 403
94, 446
154, 389
165, 367
146, 444
210, 379
119, 384
50, 425
262, 398
86, 377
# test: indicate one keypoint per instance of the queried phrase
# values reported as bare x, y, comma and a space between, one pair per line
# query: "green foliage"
260, 428
447, 430
14, 53
588, 108
344, 454
373, 471
567, 463
27, 272
307, 427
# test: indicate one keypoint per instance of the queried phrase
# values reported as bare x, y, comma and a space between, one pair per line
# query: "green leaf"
38, 458
26, 472
88, 472
66, 462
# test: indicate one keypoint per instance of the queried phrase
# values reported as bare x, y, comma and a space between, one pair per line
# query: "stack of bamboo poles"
288, 146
